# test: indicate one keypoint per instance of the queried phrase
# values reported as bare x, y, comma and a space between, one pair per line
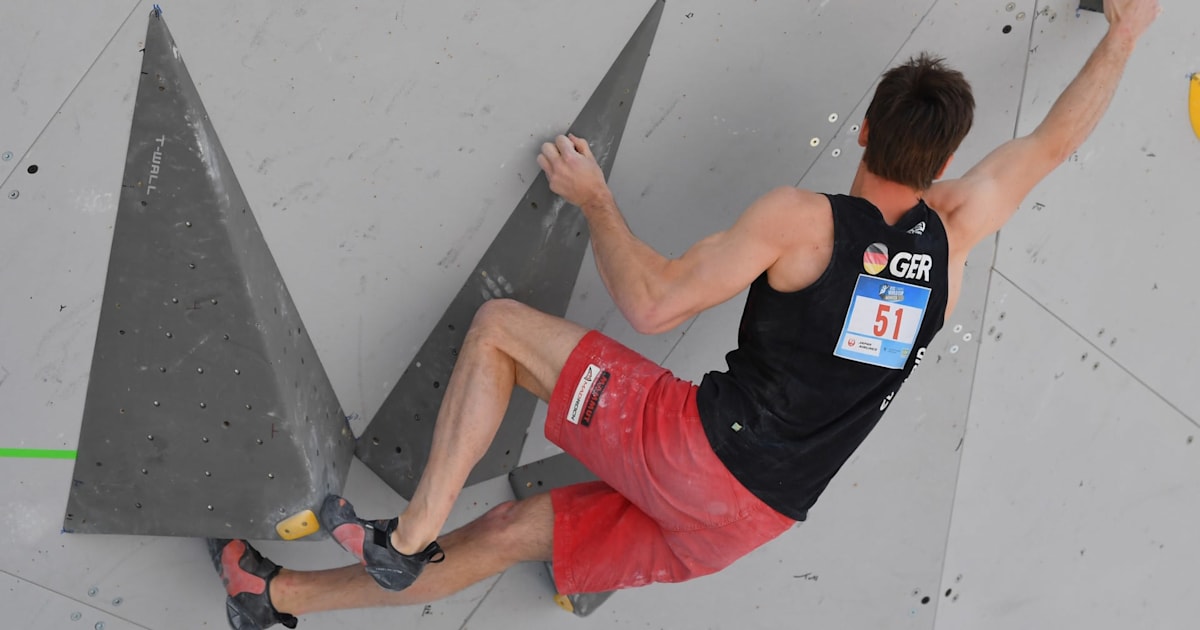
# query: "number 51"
883, 321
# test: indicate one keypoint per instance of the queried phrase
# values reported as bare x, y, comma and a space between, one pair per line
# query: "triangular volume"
535, 259
208, 412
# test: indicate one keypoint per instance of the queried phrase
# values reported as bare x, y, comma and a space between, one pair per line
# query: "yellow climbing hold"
298, 525
565, 602
1194, 104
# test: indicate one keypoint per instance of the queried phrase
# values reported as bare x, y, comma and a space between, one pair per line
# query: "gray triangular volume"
535, 258
208, 412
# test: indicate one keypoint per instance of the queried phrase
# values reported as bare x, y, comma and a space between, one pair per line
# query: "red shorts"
667, 509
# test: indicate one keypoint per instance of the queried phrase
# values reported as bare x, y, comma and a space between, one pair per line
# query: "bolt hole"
375, 441
925, 600
1007, 29
399, 450
32, 169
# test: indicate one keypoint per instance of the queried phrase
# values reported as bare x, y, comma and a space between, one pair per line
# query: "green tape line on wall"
36, 453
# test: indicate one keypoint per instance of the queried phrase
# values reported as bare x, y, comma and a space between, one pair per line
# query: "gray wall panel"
1078, 478
1077, 494
1108, 258
27, 605
48, 50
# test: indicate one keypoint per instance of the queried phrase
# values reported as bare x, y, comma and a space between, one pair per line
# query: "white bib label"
883, 321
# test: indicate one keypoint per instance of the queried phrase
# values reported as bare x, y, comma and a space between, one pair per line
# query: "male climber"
845, 294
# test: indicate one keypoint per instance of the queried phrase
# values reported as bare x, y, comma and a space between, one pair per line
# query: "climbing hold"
1194, 104
298, 525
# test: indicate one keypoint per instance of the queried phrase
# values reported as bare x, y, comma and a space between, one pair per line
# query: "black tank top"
815, 369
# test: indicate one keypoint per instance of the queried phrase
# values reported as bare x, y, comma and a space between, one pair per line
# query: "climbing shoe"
371, 543
247, 576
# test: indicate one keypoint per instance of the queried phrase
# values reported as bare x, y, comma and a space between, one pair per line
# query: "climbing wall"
382, 147
534, 259
208, 412
1079, 479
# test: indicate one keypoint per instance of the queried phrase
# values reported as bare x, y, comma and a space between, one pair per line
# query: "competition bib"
883, 321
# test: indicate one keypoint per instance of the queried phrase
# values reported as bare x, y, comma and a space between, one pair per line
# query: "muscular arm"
988, 195
656, 293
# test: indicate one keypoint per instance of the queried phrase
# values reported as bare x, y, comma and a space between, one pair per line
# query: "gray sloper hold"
535, 259
208, 412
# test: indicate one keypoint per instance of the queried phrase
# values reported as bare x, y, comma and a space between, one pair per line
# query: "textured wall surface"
1039, 471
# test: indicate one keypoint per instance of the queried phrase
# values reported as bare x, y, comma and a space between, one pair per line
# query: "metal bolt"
853, 128
1020, 16
270, 475
210, 508
145, 472
92, 591
200, 370
117, 600
13, 194
99, 625
191, 265
204, 405
169, 335
187, 224
150, 437
156, 403
259, 441
1010, 7
236, 371
967, 337
204, 439
248, 407
953, 349
76, 616
7, 156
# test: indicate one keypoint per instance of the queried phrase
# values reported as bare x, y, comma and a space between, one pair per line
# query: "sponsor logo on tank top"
587, 395
918, 229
